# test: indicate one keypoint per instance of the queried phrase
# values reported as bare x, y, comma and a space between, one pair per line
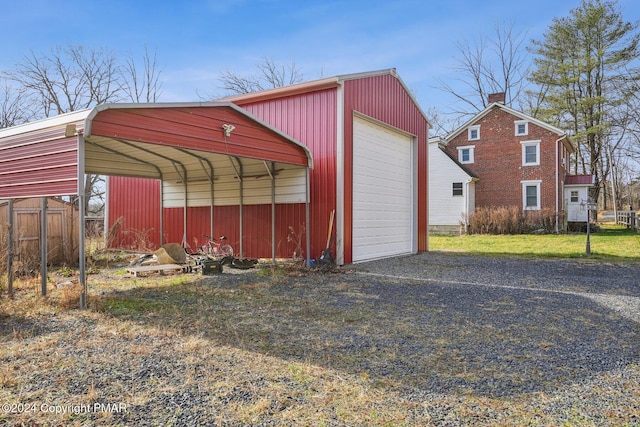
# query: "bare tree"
72, 78
441, 124
270, 75
68, 79
14, 108
489, 65
142, 83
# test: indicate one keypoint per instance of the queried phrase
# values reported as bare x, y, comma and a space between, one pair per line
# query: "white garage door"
383, 191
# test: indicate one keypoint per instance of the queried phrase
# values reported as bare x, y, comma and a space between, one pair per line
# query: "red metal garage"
368, 138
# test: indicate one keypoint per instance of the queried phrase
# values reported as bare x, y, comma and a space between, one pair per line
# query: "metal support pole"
43, 247
81, 223
10, 249
241, 208
81, 251
161, 211
307, 215
273, 211
588, 249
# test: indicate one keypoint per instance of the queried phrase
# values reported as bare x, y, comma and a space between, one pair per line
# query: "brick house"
519, 160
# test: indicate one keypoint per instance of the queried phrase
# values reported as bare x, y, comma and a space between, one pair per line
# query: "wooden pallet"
156, 269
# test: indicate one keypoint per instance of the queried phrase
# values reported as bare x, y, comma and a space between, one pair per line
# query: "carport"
204, 154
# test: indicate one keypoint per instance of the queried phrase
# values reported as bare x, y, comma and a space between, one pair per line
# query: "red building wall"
133, 212
385, 99
134, 204
311, 119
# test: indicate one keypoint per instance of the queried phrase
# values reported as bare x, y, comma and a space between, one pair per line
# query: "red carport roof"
195, 126
139, 140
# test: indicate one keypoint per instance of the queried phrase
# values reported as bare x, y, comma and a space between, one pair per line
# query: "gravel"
440, 339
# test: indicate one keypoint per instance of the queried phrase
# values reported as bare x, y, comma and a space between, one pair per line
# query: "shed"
576, 197
368, 138
200, 152
62, 230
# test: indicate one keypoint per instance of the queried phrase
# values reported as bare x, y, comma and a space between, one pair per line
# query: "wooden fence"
630, 219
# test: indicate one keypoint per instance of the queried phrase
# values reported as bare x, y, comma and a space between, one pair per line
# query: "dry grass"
292, 350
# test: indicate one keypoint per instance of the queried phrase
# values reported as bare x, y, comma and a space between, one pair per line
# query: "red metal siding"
38, 163
385, 99
311, 119
138, 214
135, 204
256, 227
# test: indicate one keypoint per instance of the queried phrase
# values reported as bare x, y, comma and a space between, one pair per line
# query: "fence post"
10, 248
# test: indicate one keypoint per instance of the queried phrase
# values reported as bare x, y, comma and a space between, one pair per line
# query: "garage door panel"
383, 191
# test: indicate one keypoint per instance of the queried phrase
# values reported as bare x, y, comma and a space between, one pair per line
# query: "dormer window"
474, 133
522, 127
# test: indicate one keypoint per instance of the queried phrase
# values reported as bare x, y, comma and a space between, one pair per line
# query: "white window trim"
577, 194
474, 127
526, 127
524, 152
471, 149
525, 184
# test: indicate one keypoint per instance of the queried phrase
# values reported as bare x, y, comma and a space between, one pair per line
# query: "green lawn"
612, 243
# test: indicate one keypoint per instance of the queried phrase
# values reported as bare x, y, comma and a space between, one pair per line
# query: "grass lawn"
611, 243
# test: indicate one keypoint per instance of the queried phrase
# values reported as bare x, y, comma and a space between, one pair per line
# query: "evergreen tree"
585, 69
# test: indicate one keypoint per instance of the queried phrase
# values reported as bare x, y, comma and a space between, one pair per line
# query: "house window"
530, 153
457, 189
574, 197
531, 195
474, 133
465, 154
522, 127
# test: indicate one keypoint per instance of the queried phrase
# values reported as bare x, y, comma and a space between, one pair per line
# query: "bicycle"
214, 248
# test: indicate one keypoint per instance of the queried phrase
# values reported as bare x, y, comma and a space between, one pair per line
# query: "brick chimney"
496, 97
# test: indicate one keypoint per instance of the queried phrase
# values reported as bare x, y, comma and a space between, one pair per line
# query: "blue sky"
197, 40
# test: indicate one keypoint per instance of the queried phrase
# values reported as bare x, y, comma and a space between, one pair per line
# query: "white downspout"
558, 180
466, 205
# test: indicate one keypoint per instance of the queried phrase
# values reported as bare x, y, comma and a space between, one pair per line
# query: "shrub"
510, 220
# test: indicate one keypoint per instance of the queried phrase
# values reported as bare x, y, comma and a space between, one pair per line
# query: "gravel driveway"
617, 283
565, 318
440, 339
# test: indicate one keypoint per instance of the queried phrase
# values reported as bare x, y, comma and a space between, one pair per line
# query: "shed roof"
579, 180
